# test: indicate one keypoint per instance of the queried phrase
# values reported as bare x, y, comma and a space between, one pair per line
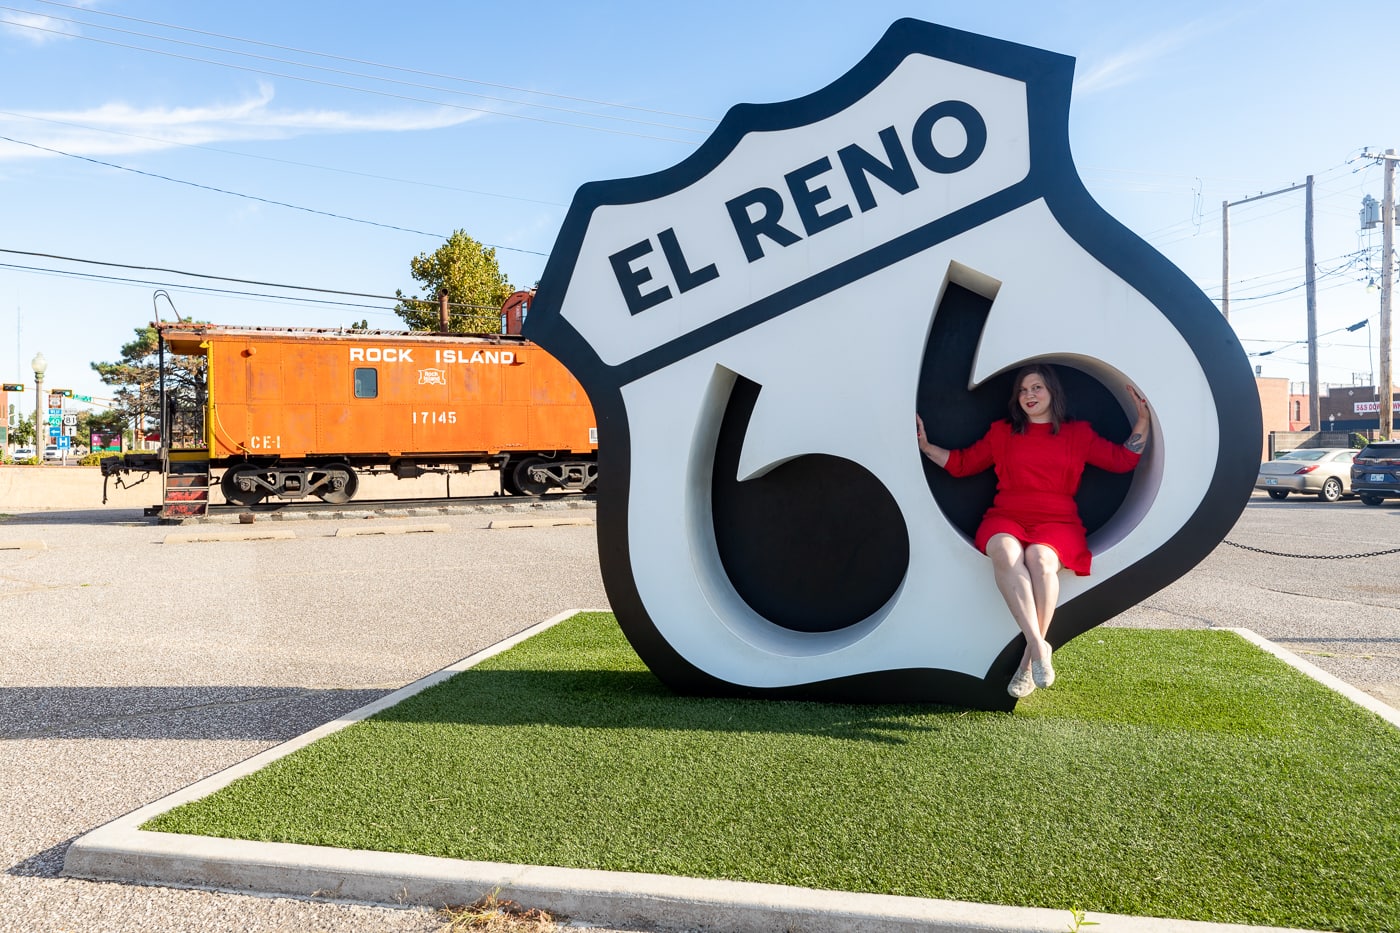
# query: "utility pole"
1387, 291
1225, 259
1385, 393
1310, 275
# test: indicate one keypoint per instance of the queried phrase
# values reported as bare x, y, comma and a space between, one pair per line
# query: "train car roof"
186, 337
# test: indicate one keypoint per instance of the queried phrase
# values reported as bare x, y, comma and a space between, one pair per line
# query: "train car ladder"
186, 489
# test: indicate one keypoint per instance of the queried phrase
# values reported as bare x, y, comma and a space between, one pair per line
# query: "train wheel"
234, 491
508, 480
521, 480
341, 484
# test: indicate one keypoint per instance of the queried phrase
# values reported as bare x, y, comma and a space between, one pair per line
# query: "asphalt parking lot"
134, 667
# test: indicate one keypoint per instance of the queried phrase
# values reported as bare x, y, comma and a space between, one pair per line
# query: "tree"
136, 377
475, 285
23, 432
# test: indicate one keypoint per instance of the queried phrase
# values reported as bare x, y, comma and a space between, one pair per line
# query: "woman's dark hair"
1019, 421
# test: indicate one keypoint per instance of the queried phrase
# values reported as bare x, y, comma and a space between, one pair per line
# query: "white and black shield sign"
756, 326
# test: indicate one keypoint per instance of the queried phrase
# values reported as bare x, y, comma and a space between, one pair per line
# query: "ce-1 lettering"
265, 442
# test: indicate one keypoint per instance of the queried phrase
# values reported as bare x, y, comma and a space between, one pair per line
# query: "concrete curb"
121, 851
23, 546
1389, 713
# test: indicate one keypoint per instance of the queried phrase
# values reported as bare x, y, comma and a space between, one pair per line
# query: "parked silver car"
1322, 471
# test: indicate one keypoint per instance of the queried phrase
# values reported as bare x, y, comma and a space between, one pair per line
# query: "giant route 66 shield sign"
757, 325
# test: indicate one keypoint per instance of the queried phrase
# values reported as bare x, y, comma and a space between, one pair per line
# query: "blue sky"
348, 137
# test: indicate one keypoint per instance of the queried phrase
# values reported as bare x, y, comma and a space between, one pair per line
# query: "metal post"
1386, 390
1225, 259
39, 418
1310, 277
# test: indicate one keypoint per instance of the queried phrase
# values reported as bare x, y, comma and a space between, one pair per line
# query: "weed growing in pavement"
1078, 921
490, 914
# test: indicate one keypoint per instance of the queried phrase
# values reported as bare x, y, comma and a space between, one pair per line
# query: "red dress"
1037, 476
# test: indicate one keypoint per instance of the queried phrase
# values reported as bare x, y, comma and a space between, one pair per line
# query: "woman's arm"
1137, 440
935, 453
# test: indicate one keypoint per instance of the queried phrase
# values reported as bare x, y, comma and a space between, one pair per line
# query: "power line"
94, 277
252, 197
338, 71
264, 158
216, 278
347, 87
358, 61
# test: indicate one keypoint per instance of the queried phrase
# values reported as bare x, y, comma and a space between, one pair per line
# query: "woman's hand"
935, 453
1137, 441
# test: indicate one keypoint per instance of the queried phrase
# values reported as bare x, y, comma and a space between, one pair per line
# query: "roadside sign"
70, 430
70, 419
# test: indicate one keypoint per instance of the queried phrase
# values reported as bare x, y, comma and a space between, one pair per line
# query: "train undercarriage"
336, 480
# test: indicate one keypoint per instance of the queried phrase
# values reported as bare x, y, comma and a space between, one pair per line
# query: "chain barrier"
1259, 550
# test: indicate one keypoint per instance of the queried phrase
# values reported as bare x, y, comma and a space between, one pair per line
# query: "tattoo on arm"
1137, 443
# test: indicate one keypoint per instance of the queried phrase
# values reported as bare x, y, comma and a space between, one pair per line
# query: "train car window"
366, 382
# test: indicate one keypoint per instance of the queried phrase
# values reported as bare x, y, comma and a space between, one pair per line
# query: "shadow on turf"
636, 699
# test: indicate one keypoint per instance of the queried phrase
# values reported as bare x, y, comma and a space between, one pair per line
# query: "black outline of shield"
1053, 178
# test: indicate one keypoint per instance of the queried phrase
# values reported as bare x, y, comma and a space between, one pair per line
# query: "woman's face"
1035, 398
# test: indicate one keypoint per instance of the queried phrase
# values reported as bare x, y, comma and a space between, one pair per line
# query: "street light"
40, 366
1369, 365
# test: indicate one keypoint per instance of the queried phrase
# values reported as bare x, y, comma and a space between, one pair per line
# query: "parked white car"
25, 453
53, 452
1321, 471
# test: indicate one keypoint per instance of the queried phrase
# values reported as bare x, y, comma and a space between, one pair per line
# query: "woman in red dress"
1033, 528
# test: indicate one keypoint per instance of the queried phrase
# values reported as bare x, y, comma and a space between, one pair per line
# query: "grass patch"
1179, 774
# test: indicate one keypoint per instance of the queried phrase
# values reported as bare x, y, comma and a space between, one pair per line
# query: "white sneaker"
1022, 685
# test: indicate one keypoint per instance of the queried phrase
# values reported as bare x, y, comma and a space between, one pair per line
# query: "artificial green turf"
1179, 774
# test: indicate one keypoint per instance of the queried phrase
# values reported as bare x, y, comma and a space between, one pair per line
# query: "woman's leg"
1043, 565
1014, 580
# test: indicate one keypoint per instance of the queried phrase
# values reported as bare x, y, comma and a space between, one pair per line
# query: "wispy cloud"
121, 128
1136, 61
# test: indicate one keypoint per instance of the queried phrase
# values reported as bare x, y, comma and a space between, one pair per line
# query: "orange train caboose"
289, 413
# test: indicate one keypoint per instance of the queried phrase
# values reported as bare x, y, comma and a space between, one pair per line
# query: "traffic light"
66, 393
12, 387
